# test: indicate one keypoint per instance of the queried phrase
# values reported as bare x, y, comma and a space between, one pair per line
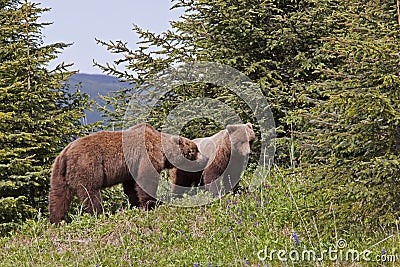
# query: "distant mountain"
95, 85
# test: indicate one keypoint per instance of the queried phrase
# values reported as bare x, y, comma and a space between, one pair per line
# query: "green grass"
229, 232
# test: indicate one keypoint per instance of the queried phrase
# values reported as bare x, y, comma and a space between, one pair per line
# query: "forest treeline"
329, 69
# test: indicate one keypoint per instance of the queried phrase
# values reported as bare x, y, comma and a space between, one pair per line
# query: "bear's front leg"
130, 190
213, 184
145, 200
146, 191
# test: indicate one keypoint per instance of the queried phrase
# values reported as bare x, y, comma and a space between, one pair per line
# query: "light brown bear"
228, 151
106, 158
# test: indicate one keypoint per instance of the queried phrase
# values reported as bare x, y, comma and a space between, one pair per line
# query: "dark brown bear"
104, 159
227, 151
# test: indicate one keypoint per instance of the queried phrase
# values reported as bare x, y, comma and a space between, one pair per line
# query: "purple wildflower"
296, 239
161, 238
384, 253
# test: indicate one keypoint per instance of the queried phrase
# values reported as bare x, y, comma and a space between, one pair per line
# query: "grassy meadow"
266, 227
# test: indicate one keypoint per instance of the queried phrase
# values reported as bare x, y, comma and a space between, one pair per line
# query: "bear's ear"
231, 128
249, 125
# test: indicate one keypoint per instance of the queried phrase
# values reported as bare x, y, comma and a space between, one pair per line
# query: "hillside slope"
95, 85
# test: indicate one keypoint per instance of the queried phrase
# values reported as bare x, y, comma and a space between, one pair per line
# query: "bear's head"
188, 148
183, 153
241, 137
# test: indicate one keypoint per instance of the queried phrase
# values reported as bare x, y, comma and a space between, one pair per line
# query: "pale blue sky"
81, 21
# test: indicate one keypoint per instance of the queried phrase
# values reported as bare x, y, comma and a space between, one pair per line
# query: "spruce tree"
39, 115
350, 156
275, 43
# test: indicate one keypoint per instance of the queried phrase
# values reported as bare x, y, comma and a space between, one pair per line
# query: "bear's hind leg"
183, 182
59, 201
91, 200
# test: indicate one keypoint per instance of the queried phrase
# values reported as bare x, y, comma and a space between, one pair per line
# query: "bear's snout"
244, 150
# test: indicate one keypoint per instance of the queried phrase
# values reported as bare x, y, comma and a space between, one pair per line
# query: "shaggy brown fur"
227, 151
106, 158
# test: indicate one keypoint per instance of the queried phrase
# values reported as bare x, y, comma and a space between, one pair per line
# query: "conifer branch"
27, 11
